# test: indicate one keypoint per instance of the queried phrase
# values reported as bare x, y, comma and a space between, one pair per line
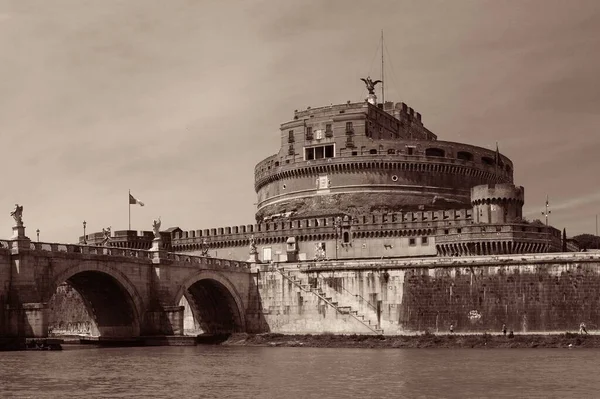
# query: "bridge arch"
111, 299
215, 302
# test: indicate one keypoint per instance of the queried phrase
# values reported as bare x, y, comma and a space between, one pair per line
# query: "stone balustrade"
433, 262
127, 252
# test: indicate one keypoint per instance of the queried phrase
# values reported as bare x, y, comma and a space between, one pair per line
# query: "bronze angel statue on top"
370, 84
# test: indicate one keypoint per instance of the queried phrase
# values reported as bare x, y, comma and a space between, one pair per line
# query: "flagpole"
496, 163
129, 202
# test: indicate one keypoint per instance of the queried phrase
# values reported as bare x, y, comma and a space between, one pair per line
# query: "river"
264, 372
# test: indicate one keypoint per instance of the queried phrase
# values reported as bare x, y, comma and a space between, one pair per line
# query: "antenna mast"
382, 80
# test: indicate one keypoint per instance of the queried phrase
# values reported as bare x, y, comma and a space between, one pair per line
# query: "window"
410, 150
412, 242
346, 237
464, 155
291, 136
424, 240
266, 254
349, 127
309, 154
328, 127
309, 134
446, 231
435, 152
373, 151
328, 151
459, 231
320, 152
487, 161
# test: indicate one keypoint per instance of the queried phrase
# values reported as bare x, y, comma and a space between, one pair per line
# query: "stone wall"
530, 293
68, 314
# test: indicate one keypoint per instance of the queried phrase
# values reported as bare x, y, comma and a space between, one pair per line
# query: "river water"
265, 372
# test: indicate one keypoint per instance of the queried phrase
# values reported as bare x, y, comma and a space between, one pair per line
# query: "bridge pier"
30, 320
174, 315
165, 321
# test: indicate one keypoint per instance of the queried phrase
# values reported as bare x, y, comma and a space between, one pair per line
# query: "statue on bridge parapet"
156, 227
204, 246
17, 214
253, 258
320, 253
106, 238
253, 250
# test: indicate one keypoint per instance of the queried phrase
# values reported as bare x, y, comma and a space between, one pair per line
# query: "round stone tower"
359, 158
497, 203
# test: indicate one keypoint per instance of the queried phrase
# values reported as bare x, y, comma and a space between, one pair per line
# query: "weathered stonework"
120, 293
530, 293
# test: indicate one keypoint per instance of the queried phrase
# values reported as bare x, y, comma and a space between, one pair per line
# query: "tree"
564, 241
588, 241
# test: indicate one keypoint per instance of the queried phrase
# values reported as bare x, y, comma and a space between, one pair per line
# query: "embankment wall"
528, 293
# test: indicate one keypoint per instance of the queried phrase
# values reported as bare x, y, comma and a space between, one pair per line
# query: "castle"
369, 180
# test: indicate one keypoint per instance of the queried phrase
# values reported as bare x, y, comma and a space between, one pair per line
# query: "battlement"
290, 226
497, 192
328, 109
126, 239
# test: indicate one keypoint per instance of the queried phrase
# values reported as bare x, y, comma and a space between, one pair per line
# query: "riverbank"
567, 340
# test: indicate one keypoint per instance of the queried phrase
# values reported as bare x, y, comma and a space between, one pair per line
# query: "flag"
133, 200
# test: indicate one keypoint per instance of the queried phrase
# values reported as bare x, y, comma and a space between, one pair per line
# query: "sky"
177, 101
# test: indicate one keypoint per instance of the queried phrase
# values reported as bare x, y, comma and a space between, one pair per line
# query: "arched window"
487, 161
464, 155
346, 237
435, 152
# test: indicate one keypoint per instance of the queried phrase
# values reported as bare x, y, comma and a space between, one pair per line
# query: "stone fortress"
366, 223
369, 180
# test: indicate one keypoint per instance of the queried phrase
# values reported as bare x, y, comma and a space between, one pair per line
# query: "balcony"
291, 139
309, 136
328, 133
349, 131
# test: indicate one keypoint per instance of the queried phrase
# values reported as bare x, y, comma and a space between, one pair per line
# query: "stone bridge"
128, 293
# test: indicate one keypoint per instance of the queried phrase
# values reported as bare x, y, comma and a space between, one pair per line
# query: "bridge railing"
208, 261
90, 249
128, 252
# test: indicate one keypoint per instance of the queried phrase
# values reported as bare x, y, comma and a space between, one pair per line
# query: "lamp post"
546, 213
84, 237
38, 235
338, 226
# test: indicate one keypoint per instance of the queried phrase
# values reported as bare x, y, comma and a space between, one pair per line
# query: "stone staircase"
344, 310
